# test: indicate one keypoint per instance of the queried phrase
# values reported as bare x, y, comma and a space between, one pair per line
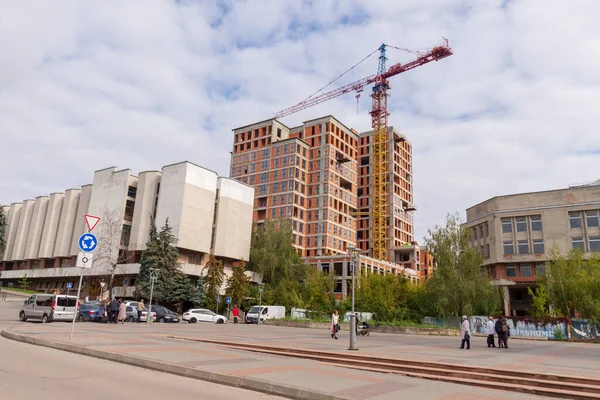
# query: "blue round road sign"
87, 242
228, 300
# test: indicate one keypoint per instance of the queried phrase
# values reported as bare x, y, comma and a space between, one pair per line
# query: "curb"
214, 377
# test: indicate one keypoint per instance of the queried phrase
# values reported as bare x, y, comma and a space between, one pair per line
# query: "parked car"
89, 312
266, 312
203, 315
163, 314
131, 313
49, 307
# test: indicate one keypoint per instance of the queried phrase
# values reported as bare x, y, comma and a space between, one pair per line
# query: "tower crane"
379, 122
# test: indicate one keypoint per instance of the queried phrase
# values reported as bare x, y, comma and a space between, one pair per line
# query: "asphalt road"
33, 372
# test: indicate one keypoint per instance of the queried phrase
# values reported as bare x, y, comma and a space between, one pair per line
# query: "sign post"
228, 302
87, 244
217, 307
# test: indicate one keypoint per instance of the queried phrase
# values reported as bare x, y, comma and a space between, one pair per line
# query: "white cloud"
140, 84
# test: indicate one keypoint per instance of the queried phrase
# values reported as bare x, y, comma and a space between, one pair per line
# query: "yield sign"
91, 221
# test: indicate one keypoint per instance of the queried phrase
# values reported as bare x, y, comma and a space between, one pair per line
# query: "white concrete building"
208, 213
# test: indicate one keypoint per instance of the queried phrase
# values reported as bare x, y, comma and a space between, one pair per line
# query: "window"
129, 205
577, 242
594, 243
536, 223
523, 246
509, 248
522, 224
511, 271
540, 269
506, 225
591, 218
526, 270
575, 219
125, 235
538, 246
131, 191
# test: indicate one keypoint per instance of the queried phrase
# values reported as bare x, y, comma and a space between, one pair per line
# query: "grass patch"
19, 290
403, 323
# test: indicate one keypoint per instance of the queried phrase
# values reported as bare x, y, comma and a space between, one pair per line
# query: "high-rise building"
515, 233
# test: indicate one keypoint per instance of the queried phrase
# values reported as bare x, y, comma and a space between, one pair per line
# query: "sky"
139, 84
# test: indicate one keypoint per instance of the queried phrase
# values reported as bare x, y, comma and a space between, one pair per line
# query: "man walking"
498, 328
490, 329
114, 310
465, 328
236, 314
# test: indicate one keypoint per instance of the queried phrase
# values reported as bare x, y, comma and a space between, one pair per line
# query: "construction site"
348, 194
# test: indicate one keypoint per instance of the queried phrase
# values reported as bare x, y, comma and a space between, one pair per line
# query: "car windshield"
254, 309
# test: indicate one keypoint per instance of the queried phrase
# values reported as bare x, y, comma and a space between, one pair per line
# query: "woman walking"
335, 326
505, 332
122, 311
465, 329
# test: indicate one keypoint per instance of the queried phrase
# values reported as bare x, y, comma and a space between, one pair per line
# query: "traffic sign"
217, 298
227, 300
84, 260
69, 285
91, 221
88, 242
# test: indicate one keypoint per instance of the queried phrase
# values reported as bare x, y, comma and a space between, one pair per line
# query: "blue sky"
140, 84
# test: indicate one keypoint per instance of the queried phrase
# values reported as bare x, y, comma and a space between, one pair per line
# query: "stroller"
362, 328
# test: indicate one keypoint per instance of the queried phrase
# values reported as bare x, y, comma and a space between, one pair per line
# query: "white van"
266, 312
49, 307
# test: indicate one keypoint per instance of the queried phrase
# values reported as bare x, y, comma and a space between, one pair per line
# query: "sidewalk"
144, 346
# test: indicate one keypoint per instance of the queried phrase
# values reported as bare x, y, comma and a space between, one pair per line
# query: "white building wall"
187, 198
145, 203
66, 223
79, 226
51, 225
36, 228
233, 228
13, 222
23, 230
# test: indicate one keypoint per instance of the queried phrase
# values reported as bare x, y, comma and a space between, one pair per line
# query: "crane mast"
379, 122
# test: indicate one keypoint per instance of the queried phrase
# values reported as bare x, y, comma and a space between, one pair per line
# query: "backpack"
504, 328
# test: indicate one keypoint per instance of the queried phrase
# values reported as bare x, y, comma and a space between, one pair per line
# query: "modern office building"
310, 173
208, 214
516, 232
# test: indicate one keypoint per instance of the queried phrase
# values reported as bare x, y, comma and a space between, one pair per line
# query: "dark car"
163, 314
89, 312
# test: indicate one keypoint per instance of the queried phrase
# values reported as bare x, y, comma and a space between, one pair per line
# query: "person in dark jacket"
114, 310
498, 327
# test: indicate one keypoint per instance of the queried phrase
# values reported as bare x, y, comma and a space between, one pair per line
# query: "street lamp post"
153, 276
460, 295
354, 253
260, 292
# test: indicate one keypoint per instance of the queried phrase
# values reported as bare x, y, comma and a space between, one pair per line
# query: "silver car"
132, 313
49, 307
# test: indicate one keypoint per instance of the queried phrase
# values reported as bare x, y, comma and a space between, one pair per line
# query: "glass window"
577, 242
526, 270
506, 225
523, 247
522, 224
536, 223
540, 269
509, 248
538, 246
575, 219
511, 270
591, 218
594, 243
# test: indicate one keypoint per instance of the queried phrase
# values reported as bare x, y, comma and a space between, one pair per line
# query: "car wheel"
22, 316
161, 320
81, 318
44, 319
130, 319
193, 321
220, 321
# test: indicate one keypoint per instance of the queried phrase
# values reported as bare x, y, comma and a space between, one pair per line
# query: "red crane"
379, 115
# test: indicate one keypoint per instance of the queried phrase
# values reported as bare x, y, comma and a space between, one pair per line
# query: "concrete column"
506, 300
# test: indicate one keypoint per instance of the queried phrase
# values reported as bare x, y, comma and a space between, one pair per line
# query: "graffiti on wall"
583, 329
520, 328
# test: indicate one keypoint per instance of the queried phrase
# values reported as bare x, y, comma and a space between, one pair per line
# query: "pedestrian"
236, 314
114, 310
335, 326
122, 311
490, 330
140, 308
87, 299
505, 332
498, 328
465, 329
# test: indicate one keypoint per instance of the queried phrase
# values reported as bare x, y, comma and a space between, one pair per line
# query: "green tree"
386, 296
572, 283
320, 287
460, 284
180, 290
539, 303
3, 233
213, 280
237, 285
24, 282
273, 253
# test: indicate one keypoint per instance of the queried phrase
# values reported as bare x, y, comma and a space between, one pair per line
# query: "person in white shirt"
465, 329
335, 326
490, 330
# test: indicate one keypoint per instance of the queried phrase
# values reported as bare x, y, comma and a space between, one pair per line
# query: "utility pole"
153, 276
460, 294
354, 253
260, 292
